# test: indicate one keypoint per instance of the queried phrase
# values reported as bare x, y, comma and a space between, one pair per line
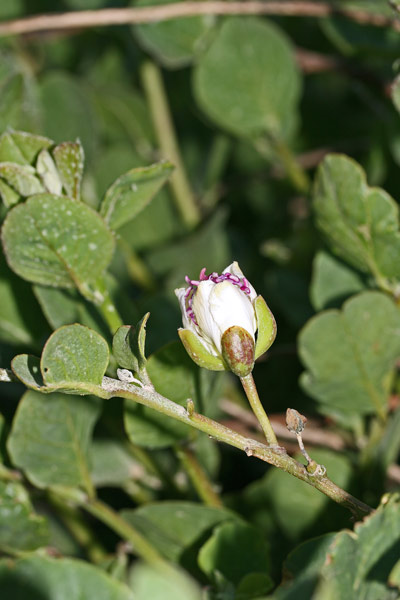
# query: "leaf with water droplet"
74, 359
69, 158
56, 241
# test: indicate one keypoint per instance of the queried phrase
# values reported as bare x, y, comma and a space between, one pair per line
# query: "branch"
148, 397
124, 16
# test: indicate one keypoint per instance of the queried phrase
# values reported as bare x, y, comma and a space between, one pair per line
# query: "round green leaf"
73, 355
247, 81
57, 241
350, 355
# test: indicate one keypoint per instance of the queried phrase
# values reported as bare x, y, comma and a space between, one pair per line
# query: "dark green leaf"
174, 527
175, 376
50, 438
234, 550
21, 529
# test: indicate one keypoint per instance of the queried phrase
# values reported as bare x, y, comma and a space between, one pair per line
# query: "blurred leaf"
302, 568
360, 223
74, 355
42, 578
21, 147
147, 582
10, 9
350, 354
67, 111
19, 102
332, 282
111, 462
50, 438
155, 225
57, 241
247, 81
131, 192
21, 320
234, 550
21, 178
175, 376
358, 563
175, 527
69, 158
66, 306
21, 530
297, 507
46, 169
174, 42
208, 246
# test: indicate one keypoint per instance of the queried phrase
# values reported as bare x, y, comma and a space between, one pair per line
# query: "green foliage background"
289, 134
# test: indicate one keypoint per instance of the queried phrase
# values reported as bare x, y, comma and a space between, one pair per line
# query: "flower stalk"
250, 389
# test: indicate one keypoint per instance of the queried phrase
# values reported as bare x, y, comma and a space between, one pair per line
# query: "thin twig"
148, 397
311, 435
149, 14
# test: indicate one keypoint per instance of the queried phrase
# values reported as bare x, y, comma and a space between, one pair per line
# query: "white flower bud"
216, 303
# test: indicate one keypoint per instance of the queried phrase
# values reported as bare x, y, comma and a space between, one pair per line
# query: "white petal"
230, 306
201, 307
234, 269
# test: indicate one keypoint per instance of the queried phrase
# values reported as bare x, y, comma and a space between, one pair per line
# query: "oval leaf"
247, 81
56, 241
132, 192
74, 355
50, 438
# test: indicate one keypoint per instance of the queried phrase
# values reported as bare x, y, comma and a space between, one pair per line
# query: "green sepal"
198, 352
266, 326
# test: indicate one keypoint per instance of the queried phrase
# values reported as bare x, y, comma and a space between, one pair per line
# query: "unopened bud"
238, 350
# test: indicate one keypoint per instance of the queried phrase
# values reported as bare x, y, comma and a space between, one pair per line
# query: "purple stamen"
242, 284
